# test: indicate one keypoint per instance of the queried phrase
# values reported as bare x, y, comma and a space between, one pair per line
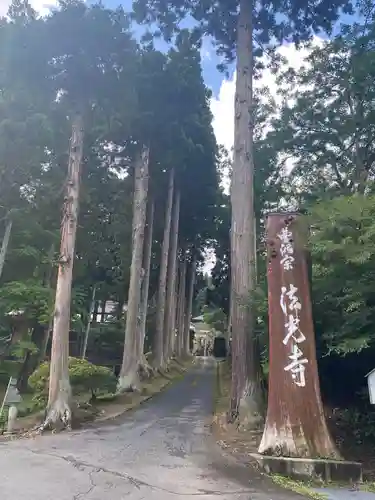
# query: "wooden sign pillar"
295, 424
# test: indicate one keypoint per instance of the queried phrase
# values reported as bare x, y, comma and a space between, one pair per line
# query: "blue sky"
212, 76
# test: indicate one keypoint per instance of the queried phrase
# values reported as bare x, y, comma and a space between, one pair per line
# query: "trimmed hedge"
84, 377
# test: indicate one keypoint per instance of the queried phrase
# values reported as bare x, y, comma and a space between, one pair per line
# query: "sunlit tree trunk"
4, 246
129, 376
59, 397
170, 311
158, 351
145, 367
246, 392
181, 308
189, 307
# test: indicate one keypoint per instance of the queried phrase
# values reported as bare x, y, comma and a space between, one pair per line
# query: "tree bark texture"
59, 397
89, 321
171, 285
129, 378
246, 395
189, 307
158, 353
228, 332
4, 246
145, 285
181, 308
295, 424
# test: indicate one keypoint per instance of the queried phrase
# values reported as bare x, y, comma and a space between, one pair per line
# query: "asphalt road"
342, 494
162, 451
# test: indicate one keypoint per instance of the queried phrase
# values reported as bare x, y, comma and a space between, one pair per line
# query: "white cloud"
222, 106
42, 7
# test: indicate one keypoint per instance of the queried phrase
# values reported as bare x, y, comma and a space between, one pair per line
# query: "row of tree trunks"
59, 404
158, 354
134, 361
129, 373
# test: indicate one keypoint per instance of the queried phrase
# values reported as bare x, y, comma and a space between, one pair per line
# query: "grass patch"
222, 388
297, 487
368, 486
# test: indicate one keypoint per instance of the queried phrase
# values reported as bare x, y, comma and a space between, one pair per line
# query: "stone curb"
321, 469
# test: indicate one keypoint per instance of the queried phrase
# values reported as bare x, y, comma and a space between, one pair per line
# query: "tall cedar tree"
242, 28
80, 69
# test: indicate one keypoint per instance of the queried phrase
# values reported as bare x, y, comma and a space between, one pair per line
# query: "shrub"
84, 377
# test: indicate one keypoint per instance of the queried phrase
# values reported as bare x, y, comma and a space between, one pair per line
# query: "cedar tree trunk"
246, 389
129, 377
59, 397
160, 311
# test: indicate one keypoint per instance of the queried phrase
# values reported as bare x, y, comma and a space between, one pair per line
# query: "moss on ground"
303, 489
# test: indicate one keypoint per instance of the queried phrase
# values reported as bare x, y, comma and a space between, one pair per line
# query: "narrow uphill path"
162, 451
